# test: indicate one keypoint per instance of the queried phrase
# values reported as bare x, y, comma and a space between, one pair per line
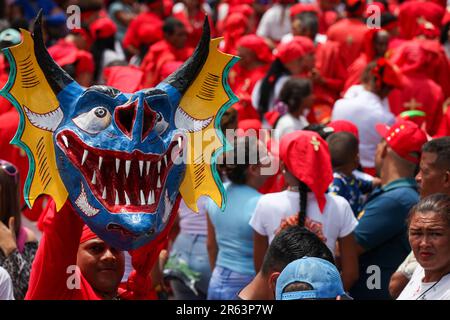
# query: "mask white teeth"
151, 198
127, 200
94, 179
159, 167
117, 165
165, 160
66, 142
100, 161
142, 198
127, 167
85, 154
117, 198
158, 184
141, 166
147, 167
179, 142
104, 193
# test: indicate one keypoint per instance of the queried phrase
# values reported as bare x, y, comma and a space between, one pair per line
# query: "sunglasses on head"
9, 168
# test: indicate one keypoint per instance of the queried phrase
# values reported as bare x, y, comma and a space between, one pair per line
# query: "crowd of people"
356, 115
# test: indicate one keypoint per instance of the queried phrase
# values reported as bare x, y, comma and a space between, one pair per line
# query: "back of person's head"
355, 8
440, 147
291, 243
343, 148
309, 23
246, 151
321, 129
9, 194
170, 25
294, 92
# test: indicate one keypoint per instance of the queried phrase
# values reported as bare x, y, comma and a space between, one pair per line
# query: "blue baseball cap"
320, 274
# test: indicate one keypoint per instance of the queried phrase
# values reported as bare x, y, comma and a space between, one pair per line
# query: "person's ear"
273, 281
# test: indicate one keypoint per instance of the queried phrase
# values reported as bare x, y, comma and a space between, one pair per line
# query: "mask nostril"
125, 117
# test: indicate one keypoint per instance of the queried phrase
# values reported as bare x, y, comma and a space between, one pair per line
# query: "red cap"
87, 234
102, 28
249, 124
405, 138
344, 126
302, 7
306, 156
306, 43
289, 51
258, 45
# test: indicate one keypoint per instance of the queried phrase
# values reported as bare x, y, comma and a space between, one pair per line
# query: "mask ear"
33, 83
205, 95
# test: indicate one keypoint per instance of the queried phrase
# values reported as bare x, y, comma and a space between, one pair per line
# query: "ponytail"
277, 69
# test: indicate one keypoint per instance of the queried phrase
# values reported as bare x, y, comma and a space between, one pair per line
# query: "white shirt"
287, 124
336, 221
417, 290
275, 23
276, 92
6, 287
365, 109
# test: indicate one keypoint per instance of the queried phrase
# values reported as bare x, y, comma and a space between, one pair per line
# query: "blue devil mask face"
121, 159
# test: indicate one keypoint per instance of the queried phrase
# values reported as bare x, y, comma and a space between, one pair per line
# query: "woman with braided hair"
306, 166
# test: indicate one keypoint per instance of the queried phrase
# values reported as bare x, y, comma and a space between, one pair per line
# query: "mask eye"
94, 121
160, 124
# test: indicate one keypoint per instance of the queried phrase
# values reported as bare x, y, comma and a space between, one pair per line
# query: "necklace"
434, 285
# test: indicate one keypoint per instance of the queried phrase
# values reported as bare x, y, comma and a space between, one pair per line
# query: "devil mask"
122, 160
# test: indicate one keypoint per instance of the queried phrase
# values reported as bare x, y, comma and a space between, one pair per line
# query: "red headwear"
306, 156
387, 73
87, 234
258, 45
306, 43
302, 7
236, 26
344, 126
405, 138
411, 13
102, 28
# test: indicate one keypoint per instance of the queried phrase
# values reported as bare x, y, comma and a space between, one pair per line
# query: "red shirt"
159, 54
419, 93
57, 251
146, 28
349, 33
242, 81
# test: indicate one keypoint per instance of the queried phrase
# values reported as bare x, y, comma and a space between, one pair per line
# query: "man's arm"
211, 243
56, 253
349, 260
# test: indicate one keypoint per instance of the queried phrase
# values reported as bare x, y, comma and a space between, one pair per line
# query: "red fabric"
303, 7
56, 252
258, 45
326, 20
371, 171
306, 156
444, 126
306, 43
349, 33
65, 52
272, 117
331, 67
125, 78
102, 28
159, 54
87, 234
355, 71
145, 29
412, 13
344, 126
424, 65
404, 137
249, 127
387, 73
236, 26
242, 81
419, 93
289, 51
194, 26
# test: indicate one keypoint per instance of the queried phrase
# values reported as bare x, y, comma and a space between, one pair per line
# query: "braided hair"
303, 193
